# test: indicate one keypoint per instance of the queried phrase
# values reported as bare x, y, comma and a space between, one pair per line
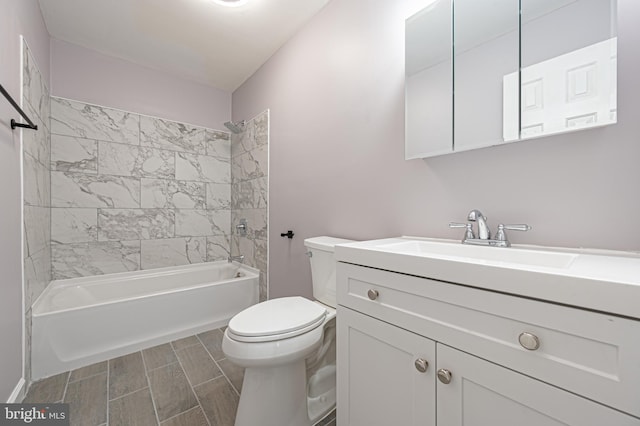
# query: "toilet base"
274, 396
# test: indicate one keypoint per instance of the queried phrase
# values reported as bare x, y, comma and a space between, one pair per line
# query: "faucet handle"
502, 236
516, 227
468, 235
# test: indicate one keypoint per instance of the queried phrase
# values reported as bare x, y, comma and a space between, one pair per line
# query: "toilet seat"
276, 319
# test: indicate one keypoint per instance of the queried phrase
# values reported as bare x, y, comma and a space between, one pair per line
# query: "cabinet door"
378, 380
482, 393
486, 50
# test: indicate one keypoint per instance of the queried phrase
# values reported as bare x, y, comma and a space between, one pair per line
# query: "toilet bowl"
287, 347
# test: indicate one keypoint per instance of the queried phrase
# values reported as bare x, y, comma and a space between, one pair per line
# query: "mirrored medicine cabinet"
484, 73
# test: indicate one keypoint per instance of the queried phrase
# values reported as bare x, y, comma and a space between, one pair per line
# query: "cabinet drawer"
592, 354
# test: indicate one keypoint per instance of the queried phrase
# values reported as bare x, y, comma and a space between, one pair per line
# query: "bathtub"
80, 321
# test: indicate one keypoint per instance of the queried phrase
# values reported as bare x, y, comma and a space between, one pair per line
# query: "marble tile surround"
36, 146
132, 192
250, 194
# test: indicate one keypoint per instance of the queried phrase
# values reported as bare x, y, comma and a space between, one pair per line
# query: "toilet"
287, 347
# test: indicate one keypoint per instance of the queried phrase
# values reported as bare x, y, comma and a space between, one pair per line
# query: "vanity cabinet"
512, 360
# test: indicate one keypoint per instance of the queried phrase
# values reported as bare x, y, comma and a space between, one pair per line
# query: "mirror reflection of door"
569, 65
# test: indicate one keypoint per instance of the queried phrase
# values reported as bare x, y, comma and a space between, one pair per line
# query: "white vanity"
433, 332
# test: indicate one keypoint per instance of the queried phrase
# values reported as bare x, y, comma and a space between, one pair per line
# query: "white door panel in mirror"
568, 70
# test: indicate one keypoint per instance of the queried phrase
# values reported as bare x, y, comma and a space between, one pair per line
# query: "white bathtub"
79, 321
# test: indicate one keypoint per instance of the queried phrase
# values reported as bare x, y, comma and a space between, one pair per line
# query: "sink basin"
545, 259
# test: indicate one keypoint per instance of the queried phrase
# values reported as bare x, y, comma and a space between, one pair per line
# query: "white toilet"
287, 346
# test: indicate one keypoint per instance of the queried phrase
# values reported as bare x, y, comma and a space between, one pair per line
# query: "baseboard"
18, 392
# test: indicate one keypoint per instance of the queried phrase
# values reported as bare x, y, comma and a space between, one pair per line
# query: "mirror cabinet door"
429, 82
486, 49
568, 71
482, 73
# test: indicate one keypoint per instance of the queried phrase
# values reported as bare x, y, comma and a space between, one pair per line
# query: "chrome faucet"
484, 235
483, 229
239, 258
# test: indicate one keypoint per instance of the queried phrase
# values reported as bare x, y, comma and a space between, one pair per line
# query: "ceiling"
198, 40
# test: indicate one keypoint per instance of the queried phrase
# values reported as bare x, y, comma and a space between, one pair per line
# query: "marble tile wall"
250, 195
133, 192
36, 173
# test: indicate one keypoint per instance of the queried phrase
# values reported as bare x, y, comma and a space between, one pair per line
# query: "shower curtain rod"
14, 123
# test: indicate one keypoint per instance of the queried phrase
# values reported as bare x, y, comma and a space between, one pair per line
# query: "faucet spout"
483, 229
239, 259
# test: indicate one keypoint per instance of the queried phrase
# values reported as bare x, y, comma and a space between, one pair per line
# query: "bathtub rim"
36, 307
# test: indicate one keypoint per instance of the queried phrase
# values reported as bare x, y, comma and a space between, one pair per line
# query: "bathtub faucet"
236, 258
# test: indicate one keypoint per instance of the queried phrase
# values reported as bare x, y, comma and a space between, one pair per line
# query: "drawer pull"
529, 341
373, 294
421, 365
444, 376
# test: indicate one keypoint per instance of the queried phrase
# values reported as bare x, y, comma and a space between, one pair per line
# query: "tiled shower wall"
133, 192
250, 194
36, 190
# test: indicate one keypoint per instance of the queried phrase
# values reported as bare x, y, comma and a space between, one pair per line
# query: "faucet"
484, 235
483, 229
239, 258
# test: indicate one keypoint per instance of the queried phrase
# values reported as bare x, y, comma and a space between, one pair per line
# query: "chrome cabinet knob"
529, 341
373, 294
444, 376
421, 365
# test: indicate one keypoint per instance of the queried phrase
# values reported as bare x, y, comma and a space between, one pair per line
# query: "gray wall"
336, 95
86, 75
17, 17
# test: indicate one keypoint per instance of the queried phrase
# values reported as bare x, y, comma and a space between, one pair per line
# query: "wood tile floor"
187, 382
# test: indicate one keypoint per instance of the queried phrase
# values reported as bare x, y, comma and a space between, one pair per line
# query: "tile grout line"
128, 394
153, 400
218, 365
192, 388
66, 386
190, 409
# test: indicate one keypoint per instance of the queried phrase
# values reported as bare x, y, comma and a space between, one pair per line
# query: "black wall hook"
289, 234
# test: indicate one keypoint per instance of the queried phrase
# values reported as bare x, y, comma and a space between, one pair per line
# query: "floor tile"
171, 391
87, 400
88, 371
50, 389
219, 401
234, 373
212, 340
133, 409
198, 365
193, 417
126, 375
183, 343
159, 356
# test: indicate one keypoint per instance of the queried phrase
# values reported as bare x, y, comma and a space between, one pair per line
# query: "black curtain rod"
14, 123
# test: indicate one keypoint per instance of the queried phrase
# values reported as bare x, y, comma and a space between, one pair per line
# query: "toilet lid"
276, 319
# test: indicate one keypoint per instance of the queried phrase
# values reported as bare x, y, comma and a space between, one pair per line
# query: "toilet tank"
323, 267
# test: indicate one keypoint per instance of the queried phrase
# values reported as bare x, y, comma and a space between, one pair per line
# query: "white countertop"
606, 281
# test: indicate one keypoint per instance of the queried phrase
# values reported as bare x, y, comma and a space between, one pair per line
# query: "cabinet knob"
529, 341
421, 365
444, 376
373, 294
